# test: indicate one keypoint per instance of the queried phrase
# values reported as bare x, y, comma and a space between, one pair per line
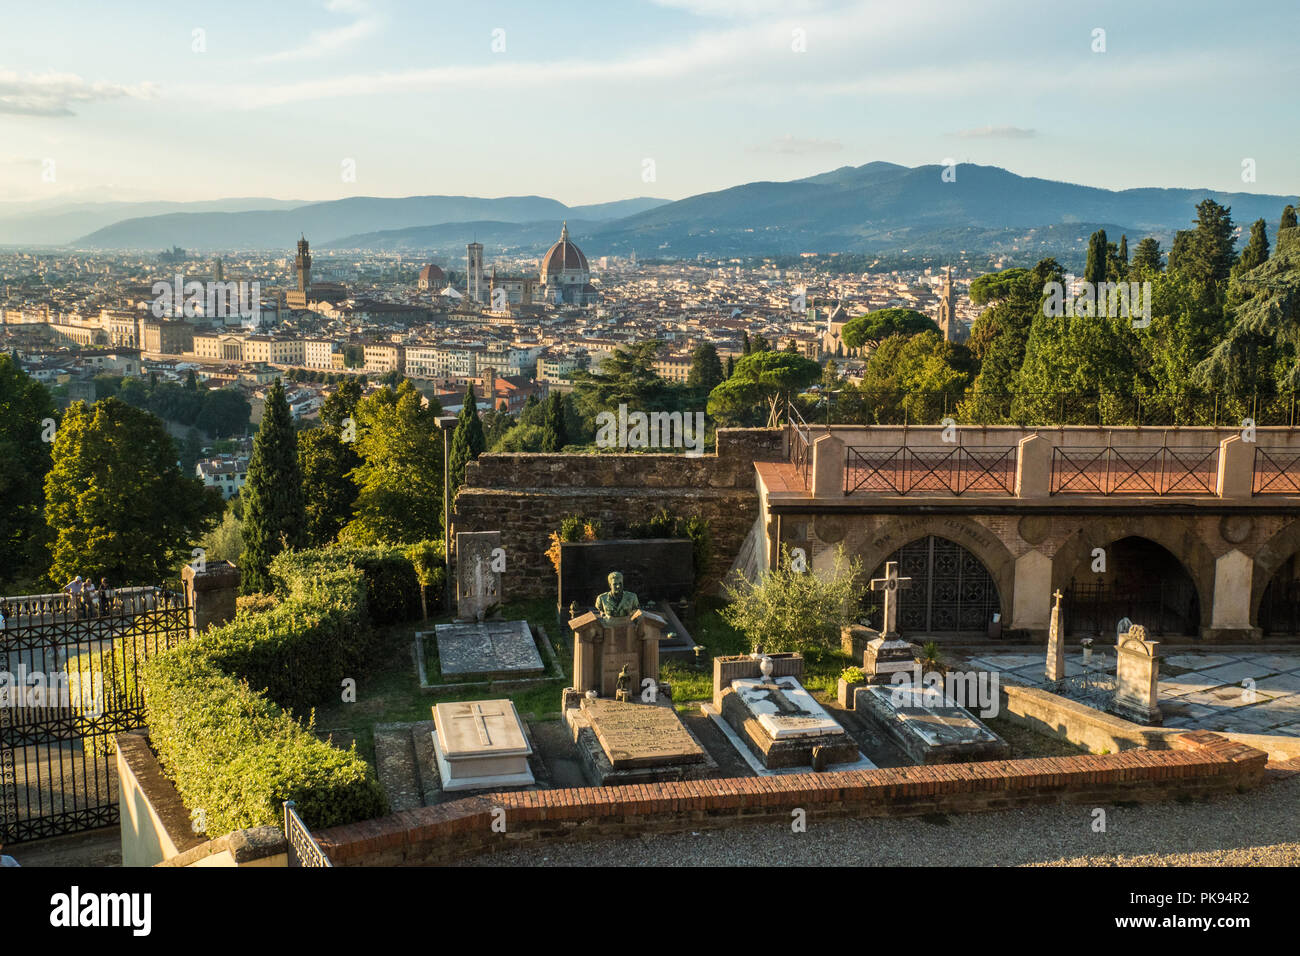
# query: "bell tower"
302, 265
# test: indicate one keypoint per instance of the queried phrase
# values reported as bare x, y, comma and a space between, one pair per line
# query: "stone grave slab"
930, 727
481, 744
624, 742
1236, 672
487, 649
783, 725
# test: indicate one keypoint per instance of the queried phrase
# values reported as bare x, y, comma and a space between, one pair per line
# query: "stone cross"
477, 714
890, 584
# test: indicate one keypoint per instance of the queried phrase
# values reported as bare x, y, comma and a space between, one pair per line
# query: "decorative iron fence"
1135, 471
800, 444
71, 683
303, 850
1276, 473
1095, 609
953, 471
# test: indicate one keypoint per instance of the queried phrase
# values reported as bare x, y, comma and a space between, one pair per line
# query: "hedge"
217, 702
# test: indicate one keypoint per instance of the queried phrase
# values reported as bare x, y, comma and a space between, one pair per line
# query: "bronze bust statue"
616, 602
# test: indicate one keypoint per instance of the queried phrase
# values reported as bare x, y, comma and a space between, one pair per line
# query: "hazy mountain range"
877, 208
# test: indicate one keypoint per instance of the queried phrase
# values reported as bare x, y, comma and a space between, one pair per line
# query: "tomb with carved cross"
480, 744
889, 654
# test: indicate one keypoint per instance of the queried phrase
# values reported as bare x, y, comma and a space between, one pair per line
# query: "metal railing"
955, 471
1276, 473
1134, 471
800, 444
302, 848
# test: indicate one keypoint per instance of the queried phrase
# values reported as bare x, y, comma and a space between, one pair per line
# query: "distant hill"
877, 208
55, 223
325, 222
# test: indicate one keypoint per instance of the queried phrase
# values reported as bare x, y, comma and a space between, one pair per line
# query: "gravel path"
1261, 828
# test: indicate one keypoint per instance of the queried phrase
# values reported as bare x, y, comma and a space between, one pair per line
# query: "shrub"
220, 705
255, 603
852, 675
793, 610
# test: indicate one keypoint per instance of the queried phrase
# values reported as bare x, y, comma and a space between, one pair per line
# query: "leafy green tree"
400, 476
874, 327
706, 368
26, 419
467, 442
522, 438
795, 609
760, 344
328, 492
225, 542
1000, 335
115, 500
1288, 220
626, 377
763, 378
224, 413
1205, 254
909, 377
274, 516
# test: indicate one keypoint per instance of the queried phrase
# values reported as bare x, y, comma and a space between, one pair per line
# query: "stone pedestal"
884, 658
1137, 679
602, 647
211, 593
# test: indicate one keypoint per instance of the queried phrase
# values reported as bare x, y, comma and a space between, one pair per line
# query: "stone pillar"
1230, 615
1032, 594
1236, 468
1137, 678
1034, 467
211, 595
828, 467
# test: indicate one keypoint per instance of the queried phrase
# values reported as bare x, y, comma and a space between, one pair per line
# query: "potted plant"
851, 678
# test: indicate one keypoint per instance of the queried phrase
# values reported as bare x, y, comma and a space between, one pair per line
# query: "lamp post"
447, 423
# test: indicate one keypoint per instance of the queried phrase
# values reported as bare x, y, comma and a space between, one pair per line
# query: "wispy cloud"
735, 9
54, 94
790, 145
997, 132
323, 42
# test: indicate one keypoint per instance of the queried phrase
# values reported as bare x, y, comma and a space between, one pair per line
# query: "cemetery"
599, 733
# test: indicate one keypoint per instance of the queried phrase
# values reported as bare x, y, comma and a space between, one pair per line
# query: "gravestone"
1055, 643
478, 587
602, 647
487, 649
928, 725
889, 653
1137, 673
655, 569
634, 741
481, 744
772, 713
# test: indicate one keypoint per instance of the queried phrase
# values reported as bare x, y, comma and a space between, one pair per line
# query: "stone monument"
1137, 674
618, 636
481, 744
889, 653
478, 587
1056, 643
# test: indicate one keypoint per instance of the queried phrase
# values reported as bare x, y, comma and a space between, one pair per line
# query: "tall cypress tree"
557, 435
1288, 218
745, 345
1095, 270
1256, 251
467, 441
274, 516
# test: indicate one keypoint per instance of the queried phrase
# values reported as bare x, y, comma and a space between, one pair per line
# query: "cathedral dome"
564, 257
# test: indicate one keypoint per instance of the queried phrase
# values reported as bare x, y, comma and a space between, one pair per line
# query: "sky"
597, 101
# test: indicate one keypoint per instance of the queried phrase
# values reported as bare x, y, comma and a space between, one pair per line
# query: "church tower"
474, 271
948, 308
302, 265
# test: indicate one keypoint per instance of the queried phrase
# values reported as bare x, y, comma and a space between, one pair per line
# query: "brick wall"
1198, 764
525, 497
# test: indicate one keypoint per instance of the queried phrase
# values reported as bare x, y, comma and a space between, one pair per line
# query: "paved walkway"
1236, 691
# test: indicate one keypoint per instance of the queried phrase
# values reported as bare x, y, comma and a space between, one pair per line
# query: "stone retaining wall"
526, 496
1198, 764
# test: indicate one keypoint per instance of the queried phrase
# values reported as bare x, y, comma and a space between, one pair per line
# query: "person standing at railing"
91, 598
106, 596
74, 588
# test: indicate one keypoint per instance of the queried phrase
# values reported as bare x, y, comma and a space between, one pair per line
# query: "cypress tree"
1095, 270
467, 441
731, 365
1123, 249
1256, 251
556, 434
1147, 257
1288, 218
274, 516
745, 345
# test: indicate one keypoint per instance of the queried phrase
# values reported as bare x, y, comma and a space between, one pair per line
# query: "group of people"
88, 600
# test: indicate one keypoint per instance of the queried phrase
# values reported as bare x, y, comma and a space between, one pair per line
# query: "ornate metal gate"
951, 591
69, 682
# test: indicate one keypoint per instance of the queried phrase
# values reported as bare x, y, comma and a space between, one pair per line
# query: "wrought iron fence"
1095, 609
72, 683
1134, 471
303, 850
1093, 686
1276, 473
954, 471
